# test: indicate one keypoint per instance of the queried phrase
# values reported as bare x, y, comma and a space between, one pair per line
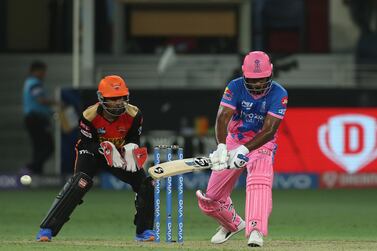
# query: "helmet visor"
115, 106
257, 86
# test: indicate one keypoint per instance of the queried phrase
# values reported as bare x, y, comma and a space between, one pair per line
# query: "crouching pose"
109, 141
249, 115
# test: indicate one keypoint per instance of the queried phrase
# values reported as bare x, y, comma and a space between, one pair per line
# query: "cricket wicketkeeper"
249, 115
109, 141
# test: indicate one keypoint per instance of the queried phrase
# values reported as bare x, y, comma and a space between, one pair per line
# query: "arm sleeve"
229, 98
134, 133
37, 91
279, 105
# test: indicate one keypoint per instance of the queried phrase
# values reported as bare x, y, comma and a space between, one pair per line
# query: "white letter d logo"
349, 140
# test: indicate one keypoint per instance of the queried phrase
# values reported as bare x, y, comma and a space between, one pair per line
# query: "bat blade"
175, 167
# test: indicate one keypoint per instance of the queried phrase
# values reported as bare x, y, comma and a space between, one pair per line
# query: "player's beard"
115, 111
259, 92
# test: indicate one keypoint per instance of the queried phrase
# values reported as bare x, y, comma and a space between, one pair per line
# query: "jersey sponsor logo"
83, 126
121, 129
86, 134
85, 152
228, 95
252, 117
349, 140
284, 101
247, 105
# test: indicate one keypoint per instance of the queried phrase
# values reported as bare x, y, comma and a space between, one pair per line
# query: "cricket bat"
175, 167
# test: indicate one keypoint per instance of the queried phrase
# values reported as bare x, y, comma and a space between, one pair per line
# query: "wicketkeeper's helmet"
111, 87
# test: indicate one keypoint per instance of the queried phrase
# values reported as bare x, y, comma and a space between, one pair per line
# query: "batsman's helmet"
256, 66
111, 87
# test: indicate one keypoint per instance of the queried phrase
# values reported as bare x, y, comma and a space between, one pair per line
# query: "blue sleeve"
37, 91
279, 104
36, 88
230, 96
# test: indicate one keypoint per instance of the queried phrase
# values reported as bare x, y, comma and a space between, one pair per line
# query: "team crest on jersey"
118, 142
228, 95
284, 101
257, 68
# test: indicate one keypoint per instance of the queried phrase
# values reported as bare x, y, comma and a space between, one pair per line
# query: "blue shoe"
44, 234
147, 235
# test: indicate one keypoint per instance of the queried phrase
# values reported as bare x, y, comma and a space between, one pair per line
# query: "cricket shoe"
147, 235
44, 235
223, 234
255, 239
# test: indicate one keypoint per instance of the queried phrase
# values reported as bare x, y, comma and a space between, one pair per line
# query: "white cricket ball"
25, 180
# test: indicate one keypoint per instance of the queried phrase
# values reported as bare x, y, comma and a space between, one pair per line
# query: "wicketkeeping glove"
135, 157
111, 154
237, 157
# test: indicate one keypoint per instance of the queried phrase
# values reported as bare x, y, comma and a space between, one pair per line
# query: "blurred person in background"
364, 16
109, 141
37, 109
248, 118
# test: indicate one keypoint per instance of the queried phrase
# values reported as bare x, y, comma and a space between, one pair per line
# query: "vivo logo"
180, 208
157, 208
349, 140
169, 234
180, 231
296, 181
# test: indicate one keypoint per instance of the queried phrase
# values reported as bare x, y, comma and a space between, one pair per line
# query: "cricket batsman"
109, 141
248, 118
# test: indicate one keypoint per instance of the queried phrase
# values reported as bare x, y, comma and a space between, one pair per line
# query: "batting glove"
219, 158
111, 154
237, 157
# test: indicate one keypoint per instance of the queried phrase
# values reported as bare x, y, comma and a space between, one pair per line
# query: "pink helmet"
257, 64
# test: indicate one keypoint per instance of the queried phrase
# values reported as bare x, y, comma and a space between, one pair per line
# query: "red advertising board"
328, 140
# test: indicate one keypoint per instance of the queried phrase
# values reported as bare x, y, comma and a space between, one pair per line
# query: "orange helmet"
113, 86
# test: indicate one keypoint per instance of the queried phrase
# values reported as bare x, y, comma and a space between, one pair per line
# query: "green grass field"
301, 220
